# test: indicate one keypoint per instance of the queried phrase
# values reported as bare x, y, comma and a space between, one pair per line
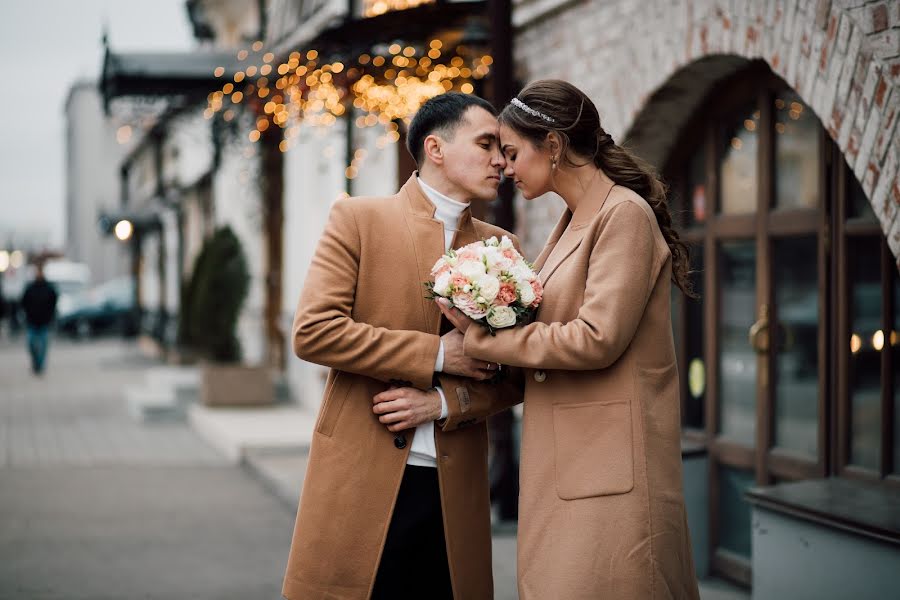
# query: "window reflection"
694, 332
737, 360
864, 270
797, 138
696, 188
734, 510
796, 344
894, 340
739, 163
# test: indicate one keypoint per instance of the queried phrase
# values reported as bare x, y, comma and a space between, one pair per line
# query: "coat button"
540, 376
400, 442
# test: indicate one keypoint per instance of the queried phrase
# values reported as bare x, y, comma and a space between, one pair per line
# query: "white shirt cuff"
445, 412
439, 362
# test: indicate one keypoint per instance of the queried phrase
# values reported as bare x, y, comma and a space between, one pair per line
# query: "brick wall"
841, 56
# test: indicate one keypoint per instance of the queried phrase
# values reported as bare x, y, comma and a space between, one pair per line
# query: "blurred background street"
172, 149
95, 505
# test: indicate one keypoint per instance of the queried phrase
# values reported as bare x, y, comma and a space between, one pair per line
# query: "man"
394, 505
39, 305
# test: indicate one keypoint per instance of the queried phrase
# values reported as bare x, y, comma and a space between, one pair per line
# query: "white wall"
313, 180
237, 200
92, 183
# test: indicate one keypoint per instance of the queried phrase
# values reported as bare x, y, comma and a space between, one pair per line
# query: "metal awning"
188, 74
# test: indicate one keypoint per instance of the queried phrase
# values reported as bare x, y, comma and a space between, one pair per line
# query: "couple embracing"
395, 503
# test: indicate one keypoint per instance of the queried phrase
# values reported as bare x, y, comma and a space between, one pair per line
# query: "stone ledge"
237, 431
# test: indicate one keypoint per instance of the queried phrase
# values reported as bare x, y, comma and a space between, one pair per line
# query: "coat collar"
428, 239
570, 229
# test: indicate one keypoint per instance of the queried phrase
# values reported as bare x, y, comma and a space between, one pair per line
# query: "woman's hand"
459, 319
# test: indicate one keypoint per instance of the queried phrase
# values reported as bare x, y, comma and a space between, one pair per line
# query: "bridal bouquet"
489, 281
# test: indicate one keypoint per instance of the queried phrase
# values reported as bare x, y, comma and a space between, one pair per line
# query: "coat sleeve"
324, 331
470, 401
622, 270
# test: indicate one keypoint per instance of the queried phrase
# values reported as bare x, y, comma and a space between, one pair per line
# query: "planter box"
236, 385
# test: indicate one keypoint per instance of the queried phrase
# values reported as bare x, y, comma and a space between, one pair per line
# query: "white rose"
521, 272
526, 293
488, 287
501, 316
506, 243
471, 269
440, 264
492, 241
442, 284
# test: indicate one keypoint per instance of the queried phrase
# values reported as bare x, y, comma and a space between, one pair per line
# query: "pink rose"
506, 295
468, 254
511, 254
467, 304
538, 293
459, 281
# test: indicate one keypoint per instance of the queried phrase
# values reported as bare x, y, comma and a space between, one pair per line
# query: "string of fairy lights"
381, 88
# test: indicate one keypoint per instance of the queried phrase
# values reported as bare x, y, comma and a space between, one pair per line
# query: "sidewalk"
97, 506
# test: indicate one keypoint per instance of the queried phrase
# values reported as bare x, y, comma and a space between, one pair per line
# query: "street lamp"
4, 260
124, 229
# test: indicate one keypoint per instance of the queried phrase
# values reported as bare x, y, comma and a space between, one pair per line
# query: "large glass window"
737, 361
738, 169
796, 345
734, 511
797, 156
799, 297
694, 416
865, 357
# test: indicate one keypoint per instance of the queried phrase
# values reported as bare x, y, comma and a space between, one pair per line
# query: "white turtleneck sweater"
423, 453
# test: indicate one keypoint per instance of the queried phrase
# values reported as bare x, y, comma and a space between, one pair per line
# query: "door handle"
759, 331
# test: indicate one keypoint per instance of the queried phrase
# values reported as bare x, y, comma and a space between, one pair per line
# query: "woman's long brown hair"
577, 123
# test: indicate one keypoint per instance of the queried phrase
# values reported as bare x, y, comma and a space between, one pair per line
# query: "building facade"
774, 122
94, 148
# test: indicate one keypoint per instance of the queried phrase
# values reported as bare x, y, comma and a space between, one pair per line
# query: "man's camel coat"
364, 314
601, 506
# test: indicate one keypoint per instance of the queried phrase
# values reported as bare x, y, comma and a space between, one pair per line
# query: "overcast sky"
45, 45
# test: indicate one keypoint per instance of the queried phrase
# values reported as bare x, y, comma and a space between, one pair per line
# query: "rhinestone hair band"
534, 113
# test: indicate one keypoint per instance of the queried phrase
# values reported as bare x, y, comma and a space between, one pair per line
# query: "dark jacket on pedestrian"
39, 303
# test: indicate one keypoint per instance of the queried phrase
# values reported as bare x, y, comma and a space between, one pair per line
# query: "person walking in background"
601, 506
39, 305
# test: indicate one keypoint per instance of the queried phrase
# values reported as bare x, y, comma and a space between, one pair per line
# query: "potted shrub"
211, 305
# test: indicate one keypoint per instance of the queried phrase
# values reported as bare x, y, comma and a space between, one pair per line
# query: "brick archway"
841, 57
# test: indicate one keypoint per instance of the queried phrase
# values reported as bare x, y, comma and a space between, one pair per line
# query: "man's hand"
458, 318
457, 363
406, 407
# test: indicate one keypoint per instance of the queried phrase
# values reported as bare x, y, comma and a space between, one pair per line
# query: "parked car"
106, 308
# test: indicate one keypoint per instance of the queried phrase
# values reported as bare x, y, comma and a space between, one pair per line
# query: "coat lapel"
557, 232
428, 241
569, 231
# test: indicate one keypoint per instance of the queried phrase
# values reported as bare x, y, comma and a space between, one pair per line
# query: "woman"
601, 507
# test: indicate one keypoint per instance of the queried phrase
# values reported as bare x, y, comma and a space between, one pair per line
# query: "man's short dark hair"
444, 112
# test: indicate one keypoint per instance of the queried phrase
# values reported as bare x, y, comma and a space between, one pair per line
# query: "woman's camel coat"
601, 507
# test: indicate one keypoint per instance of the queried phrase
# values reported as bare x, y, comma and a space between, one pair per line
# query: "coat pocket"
594, 454
333, 403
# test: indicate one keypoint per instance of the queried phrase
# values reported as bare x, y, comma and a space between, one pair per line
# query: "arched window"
788, 361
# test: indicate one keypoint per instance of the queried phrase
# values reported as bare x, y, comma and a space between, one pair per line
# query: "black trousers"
414, 561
